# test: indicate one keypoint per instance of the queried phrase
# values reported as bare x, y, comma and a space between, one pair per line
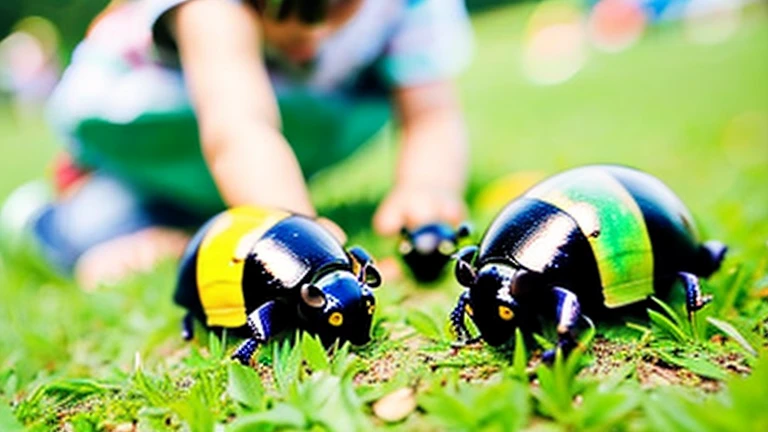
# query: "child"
173, 109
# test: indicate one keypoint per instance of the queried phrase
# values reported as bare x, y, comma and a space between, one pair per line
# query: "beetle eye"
336, 319
446, 247
506, 313
405, 247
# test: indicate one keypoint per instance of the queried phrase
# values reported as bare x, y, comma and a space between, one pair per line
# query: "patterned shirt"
408, 42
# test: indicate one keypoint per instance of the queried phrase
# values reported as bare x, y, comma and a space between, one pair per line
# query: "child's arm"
432, 167
251, 163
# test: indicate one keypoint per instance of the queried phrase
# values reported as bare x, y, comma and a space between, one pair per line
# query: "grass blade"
697, 365
667, 326
314, 353
669, 311
244, 386
424, 325
733, 333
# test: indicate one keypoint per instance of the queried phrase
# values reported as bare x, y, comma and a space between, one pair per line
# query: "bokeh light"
555, 43
711, 21
494, 196
615, 25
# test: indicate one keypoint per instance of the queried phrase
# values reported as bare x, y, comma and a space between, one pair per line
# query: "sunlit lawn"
694, 115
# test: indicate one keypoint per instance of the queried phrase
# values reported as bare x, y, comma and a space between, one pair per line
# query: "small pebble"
396, 405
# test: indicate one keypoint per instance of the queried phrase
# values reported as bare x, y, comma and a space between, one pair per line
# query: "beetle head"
427, 250
494, 300
338, 306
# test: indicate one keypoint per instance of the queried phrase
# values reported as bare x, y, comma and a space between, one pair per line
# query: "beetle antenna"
188, 326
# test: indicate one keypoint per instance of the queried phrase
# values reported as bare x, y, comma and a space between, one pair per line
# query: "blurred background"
678, 88
675, 87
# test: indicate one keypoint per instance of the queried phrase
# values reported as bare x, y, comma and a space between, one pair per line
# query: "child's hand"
334, 229
411, 206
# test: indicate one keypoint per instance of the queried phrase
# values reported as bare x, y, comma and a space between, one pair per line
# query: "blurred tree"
10, 12
479, 5
71, 16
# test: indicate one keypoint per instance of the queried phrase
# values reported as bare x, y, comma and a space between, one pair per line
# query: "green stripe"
613, 223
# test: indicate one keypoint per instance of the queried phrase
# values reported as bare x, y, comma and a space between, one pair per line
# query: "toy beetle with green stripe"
258, 272
587, 240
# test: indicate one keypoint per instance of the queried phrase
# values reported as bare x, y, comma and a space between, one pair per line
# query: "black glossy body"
422, 252
427, 250
534, 247
294, 246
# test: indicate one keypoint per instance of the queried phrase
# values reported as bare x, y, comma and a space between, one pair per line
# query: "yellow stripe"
220, 262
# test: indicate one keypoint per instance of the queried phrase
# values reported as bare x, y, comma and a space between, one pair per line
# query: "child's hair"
307, 11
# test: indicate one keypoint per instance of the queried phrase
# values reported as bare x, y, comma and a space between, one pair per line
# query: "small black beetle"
589, 239
259, 271
427, 249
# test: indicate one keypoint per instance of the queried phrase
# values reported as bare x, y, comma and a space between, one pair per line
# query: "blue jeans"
103, 209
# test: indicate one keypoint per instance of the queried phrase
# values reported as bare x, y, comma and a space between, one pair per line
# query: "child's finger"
388, 218
335, 230
421, 210
452, 211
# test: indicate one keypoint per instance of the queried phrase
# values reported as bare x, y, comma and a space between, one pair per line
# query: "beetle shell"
247, 256
610, 234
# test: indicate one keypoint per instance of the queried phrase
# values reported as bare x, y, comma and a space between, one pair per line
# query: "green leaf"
75, 389
615, 379
79, 423
667, 409
669, 311
424, 324
244, 386
314, 353
343, 363
601, 410
667, 326
196, 410
697, 365
543, 342
330, 401
448, 409
733, 333
734, 283
286, 363
506, 406
642, 329
553, 393
281, 416
217, 346
520, 358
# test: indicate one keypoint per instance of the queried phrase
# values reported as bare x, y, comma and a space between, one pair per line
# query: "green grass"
695, 116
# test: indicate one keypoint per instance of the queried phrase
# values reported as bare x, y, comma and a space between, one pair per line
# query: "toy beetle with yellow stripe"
258, 272
589, 240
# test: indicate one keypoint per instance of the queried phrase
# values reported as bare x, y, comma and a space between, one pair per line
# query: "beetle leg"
366, 269
188, 326
694, 300
457, 319
245, 351
464, 231
568, 312
261, 324
711, 256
